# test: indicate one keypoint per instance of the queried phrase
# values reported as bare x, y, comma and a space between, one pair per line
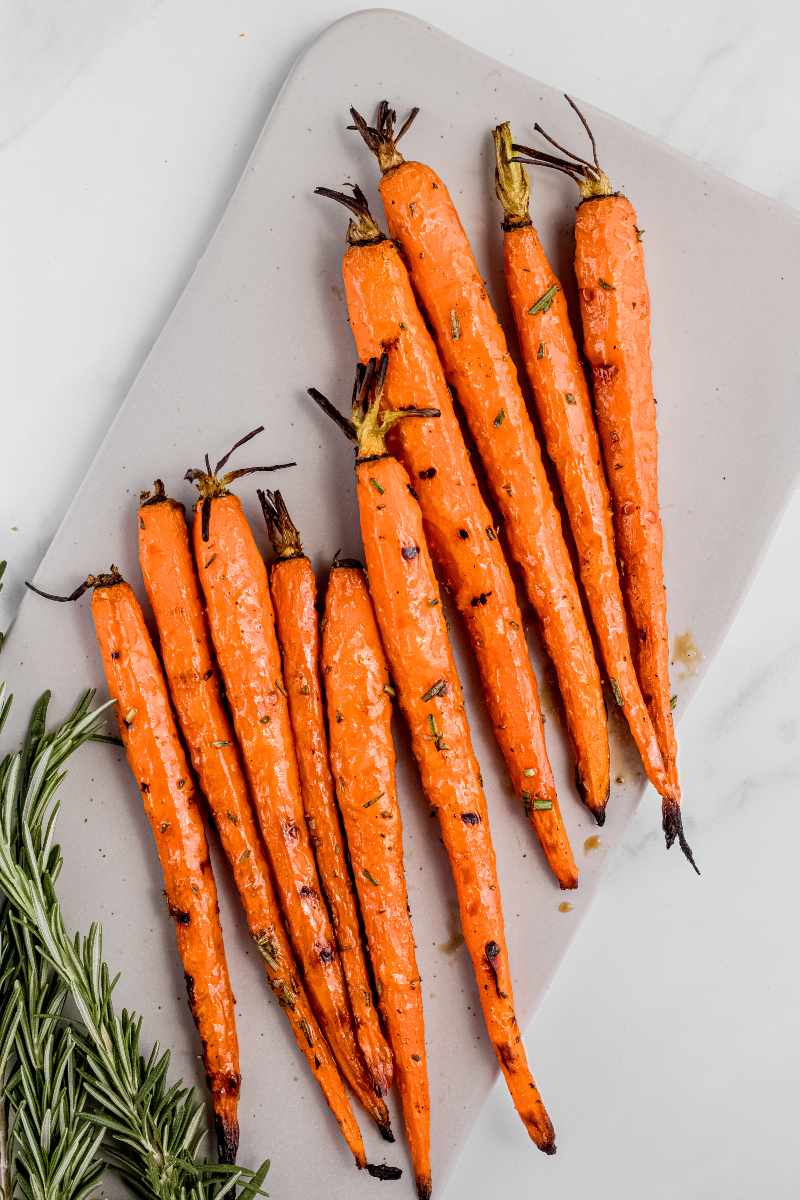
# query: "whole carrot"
242, 623
158, 764
357, 690
565, 411
615, 311
294, 596
423, 220
411, 622
458, 525
173, 590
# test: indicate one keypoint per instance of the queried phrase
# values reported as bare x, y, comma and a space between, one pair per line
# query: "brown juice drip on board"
592, 843
685, 653
565, 906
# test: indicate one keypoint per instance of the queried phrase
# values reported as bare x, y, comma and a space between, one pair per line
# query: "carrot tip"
599, 815
383, 1172
548, 1148
385, 1130
672, 824
424, 1187
227, 1140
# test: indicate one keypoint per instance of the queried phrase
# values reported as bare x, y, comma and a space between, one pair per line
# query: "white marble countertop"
670, 1040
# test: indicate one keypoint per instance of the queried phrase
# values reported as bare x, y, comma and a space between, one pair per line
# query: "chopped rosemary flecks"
339, 717
490, 533
540, 351
368, 875
374, 800
639, 233
265, 720
455, 325
306, 1028
243, 857
501, 416
436, 689
222, 742
542, 805
673, 702
570, 399
606, 286
390, 691
544, 302
432, 602
617, 693
304, 689
528, 772
280, 687
436, 734
377, 486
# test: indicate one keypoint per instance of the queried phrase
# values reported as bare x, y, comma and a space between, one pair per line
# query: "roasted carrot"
174, 592
458, 525
409, 613
242, 623
164, 779
357, 691
423, 220
565, 411
293, 587
615, 312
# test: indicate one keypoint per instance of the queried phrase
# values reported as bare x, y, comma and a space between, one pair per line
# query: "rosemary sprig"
116, 1102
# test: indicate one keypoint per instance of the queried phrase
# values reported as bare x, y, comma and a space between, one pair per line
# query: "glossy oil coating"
565, 411
615, 307
460, 530
423, 219
240, 615
159, 766
363, 762
409, 614
294, 595
173, 590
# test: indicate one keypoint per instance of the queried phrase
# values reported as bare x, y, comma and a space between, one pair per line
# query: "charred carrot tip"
383, 1172
385, 1130
227, 1140
599, 815
672, 823
424, 1187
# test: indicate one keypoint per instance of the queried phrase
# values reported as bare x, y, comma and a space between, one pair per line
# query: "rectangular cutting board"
261, 319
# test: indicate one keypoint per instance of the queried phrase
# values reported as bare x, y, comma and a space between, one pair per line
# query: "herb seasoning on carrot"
423, 220
242, 623
294, 596
565, 411
356, 682
173, 590
403, 586
615, 311
158, 763
383, 313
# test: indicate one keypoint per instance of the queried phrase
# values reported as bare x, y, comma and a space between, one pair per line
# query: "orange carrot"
158, 763
174, 593
294, 597
411, 622
458, 525
615, 310
242, 623
565, 411
357, 690
423, 220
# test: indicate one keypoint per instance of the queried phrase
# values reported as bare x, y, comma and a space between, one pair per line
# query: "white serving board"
262, 318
